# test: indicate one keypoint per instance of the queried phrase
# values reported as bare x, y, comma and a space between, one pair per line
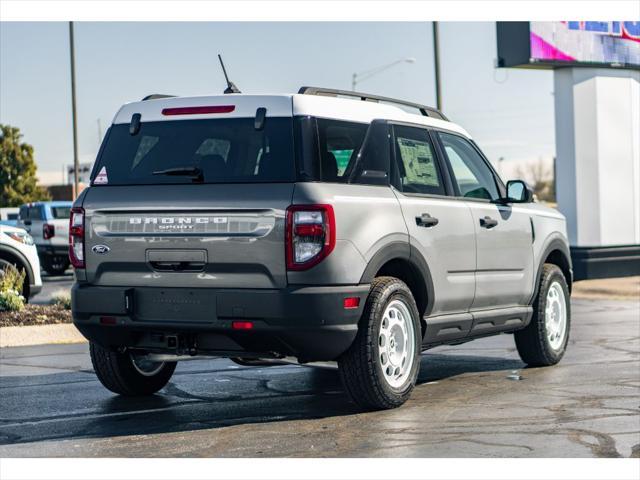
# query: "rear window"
30, 213
202, 151
61, 212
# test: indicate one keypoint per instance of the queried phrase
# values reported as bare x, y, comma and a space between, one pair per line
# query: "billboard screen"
556, 44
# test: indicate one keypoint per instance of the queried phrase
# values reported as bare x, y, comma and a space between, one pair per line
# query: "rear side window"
339, 143
417, 163
220, 150
327, 149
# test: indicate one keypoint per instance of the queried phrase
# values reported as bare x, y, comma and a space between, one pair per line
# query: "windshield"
198, 151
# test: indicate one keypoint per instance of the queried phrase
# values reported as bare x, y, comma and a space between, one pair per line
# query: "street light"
359, 77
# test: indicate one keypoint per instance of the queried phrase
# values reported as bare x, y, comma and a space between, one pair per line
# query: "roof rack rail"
331, 92
155, 96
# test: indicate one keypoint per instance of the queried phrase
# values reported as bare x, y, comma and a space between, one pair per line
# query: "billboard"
613, 44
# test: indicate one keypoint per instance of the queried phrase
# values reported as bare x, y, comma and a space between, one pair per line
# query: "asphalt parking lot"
464, 405
50, 285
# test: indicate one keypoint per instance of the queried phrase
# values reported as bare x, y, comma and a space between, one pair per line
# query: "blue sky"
509, 113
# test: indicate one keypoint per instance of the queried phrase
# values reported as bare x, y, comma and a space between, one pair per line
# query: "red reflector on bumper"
351, 302
242, 325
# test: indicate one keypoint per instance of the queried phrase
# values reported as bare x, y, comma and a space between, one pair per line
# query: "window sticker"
418, 162
101, 178
342, 159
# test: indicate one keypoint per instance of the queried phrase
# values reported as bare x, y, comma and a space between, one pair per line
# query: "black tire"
117, 373
533, 342
26, 289
360, 369
55, 264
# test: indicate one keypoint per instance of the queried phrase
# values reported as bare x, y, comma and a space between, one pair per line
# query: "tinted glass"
224, 151
471, 174
30, 213
338, 145
417, 164
374, 157
61, 212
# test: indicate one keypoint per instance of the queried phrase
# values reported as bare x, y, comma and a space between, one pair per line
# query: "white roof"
279, 106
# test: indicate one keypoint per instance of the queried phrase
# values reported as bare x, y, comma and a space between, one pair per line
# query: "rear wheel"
129, 373
55, 264
380, 368
544, 341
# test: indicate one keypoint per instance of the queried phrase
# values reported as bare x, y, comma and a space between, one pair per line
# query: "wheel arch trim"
554, 243
406, 252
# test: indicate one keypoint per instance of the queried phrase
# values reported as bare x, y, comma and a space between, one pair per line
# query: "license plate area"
174, 305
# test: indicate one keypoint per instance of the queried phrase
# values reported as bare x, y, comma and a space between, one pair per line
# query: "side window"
416, 161
338, 144
471, 174
24, 213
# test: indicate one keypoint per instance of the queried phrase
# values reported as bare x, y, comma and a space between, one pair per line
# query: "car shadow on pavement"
198, 398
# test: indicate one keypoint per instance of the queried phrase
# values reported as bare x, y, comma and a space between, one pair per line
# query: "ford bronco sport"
321, 226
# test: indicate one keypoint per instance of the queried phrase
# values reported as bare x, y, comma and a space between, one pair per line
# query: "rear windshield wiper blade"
181, 171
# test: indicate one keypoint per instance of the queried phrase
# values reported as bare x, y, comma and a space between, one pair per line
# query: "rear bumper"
309, 323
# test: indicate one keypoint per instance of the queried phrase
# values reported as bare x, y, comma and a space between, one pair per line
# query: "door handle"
426, 220
488, 222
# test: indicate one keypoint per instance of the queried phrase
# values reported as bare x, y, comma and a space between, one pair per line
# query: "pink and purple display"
611, 43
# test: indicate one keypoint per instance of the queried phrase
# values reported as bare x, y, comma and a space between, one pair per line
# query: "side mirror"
518, 192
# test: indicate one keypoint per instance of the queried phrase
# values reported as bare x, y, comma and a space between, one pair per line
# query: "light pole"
76, 165
359, 77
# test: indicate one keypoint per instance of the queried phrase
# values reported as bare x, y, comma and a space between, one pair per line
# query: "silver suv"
310, 228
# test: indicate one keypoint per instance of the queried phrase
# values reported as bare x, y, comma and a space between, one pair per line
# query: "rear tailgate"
191, 236
61, 232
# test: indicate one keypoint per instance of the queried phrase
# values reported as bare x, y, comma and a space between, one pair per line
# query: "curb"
39, 335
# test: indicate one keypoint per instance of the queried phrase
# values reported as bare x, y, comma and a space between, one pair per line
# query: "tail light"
48, 231
76, 237
310, 235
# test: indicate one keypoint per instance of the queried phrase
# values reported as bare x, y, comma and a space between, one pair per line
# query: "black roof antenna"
231, 88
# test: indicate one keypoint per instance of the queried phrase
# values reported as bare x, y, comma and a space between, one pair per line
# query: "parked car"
17, 249
9, 216
48, 224
307, 227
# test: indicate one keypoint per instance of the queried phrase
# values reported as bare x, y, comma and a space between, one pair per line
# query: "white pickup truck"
48, 224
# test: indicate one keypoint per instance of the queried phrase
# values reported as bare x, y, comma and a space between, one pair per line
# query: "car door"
30, 219
504, 235
440, 227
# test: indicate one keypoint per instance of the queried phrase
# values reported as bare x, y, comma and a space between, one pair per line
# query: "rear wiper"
182, 171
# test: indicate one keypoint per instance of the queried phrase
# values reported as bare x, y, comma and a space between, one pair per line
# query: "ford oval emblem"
100, 249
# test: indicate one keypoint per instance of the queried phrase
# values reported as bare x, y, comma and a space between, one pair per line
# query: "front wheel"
544, 341
128, 373
380, 368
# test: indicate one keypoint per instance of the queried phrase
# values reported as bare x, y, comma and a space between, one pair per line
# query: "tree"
541, 180
18, 182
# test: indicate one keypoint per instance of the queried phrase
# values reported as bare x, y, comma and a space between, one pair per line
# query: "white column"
598, 155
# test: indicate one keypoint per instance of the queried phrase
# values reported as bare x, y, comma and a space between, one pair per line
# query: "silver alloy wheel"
143, 366
555, 316
396, 343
